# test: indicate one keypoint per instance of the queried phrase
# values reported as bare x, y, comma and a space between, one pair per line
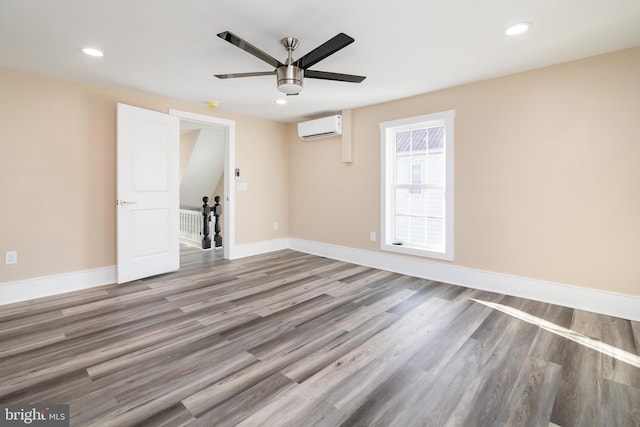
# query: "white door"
147, 193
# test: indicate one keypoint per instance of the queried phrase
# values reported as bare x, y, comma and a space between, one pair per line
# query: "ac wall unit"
320, 128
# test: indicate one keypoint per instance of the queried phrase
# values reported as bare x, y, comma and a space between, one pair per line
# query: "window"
417, 185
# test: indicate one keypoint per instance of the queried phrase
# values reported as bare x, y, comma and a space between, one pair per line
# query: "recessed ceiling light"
516, 29
92, 52
281, 101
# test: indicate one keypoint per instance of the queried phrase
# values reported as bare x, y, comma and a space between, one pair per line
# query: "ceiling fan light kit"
290, 75
290, 79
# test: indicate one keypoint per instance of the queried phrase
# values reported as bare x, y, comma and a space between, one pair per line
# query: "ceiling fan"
291, 74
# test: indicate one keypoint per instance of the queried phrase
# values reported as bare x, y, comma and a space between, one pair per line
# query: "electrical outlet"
275, 225
372, 236
11, 257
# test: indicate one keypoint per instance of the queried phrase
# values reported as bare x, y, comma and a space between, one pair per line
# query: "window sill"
421, 252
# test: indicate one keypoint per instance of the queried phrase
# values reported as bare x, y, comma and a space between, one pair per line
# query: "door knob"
126, 202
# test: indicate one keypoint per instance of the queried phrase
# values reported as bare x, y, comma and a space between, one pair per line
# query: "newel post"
217, 211
206, 213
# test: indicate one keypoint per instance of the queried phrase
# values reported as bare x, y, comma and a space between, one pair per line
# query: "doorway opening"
212, 131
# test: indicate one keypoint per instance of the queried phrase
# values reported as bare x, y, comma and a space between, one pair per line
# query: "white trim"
28, 289
262, 247
228, 205
609, 303
45, 286
195, 117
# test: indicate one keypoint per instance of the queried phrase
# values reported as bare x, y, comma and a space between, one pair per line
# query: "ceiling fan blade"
235, 75
321, 52
312, 74
248, 47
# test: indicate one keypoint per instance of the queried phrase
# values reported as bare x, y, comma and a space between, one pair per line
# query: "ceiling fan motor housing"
289, 78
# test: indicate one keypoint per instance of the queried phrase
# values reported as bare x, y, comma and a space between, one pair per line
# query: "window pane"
416, 173
419, 140
410, 150
414, 230
403, 157
419, 216
435, 217
435, 231
436, 138
403, 201
418, 213
435, 169
418, 230
411, 230
403, 229
403, 142
434, 203
402, 169
418, 201
412, 201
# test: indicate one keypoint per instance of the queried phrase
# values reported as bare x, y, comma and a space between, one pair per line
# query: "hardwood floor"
290, 339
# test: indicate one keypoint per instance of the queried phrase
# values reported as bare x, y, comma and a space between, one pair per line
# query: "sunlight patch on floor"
619, 354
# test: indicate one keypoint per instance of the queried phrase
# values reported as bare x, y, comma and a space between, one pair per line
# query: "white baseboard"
609, 303
257, 248
38, 287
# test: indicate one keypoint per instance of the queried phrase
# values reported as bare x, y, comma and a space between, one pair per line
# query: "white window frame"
387, 130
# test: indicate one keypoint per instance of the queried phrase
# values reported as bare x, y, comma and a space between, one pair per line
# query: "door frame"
228, 206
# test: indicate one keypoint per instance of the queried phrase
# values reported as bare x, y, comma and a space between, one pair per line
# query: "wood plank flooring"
291, 339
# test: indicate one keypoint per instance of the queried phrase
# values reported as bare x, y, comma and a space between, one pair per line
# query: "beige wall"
264, 167
547, 175
57, 173
546, 178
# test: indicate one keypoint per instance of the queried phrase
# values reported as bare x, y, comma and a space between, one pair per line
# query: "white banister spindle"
191, 227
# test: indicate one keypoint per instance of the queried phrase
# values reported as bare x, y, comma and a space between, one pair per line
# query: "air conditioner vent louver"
320, 128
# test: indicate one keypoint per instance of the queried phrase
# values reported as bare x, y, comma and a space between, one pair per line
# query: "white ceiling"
404, 47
